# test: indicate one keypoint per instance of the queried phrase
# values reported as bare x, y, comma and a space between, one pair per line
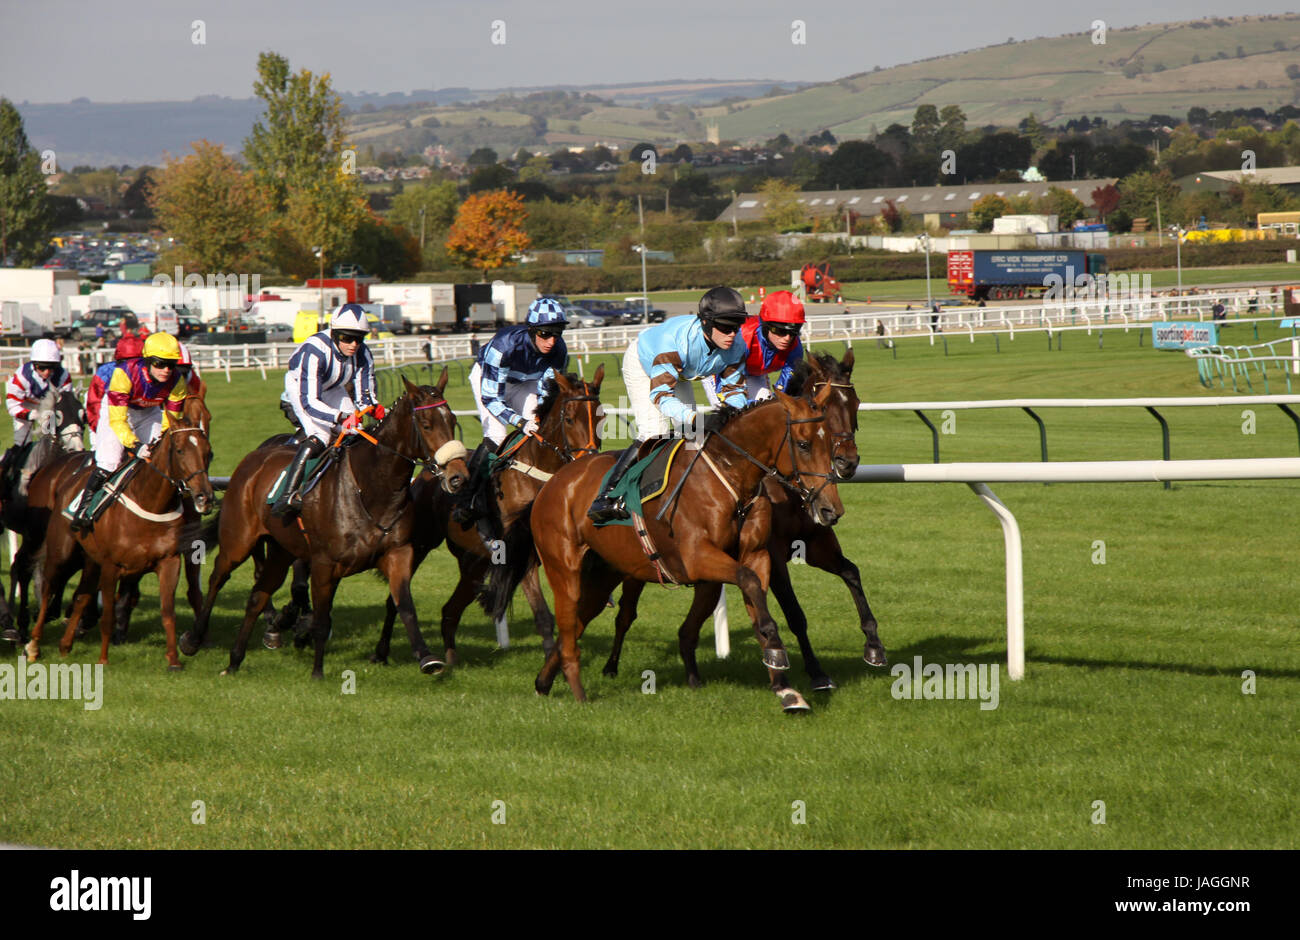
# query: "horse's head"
809, 457
69, 422
841, 407
183, 455
195, 413
570, 415
434, 430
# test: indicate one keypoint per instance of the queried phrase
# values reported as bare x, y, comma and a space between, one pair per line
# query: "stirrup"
608, 509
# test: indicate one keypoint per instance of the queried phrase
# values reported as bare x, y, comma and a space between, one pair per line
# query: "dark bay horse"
700, 537
569, 422
791, 526
358, 517
143, 530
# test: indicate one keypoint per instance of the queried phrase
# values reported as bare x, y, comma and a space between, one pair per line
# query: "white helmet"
350, 317
46, 350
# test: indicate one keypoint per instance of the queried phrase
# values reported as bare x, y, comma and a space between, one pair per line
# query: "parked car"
279, 333
108, 318
644, 312
609, 312
187, 326
581, 318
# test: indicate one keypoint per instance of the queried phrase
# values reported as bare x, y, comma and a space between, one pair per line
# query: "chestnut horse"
568, 418
358, 517
790, 524
143, 530
784, 438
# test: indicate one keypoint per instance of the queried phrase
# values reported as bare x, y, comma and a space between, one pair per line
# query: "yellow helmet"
161, 346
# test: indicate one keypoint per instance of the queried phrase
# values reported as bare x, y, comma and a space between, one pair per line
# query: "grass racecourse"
1134, 694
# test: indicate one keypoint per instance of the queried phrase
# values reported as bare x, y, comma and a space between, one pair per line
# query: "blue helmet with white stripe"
545, 312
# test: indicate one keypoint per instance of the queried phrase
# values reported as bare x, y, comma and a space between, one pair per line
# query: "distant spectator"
1254, 301
99, 334
934, 320
1220, 313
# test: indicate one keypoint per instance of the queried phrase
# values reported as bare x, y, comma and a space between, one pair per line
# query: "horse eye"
805, 446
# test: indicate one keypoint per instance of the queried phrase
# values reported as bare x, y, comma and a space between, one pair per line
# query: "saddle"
647, 479
107, 494
314, 470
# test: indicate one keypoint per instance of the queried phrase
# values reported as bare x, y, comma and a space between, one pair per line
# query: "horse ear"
442, 380
410, 389
598, 377
562, 383
846, 363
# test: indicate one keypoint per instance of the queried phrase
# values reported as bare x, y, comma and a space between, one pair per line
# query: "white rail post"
721, 628
1015, 581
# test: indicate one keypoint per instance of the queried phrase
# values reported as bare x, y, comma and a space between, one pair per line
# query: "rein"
567, 453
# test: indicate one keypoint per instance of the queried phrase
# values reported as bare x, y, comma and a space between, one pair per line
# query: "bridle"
182, 485
794, 481
838, 438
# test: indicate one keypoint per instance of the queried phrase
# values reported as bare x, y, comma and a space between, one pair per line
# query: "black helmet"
723, 305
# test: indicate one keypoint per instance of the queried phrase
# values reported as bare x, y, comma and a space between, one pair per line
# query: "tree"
1140, 192
136, 198
488, 230
26, 213
682, 152
322, 216
985, 210
300, 140
387, 251
855, 164
492, 176
953, 127
437, 198
1063, 204
213, 209
925, 128
483, 156
638, 153
1105, 199
781, 206
993, 153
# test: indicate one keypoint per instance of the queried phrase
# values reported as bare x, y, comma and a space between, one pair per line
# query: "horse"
783, 438
143, 530
790, 524
359, 516
58, 425
568, 418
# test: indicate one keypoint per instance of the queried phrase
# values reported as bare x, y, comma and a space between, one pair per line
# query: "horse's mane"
552, 394
799, 376
729, 413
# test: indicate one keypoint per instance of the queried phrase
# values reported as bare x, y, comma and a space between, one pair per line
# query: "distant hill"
1168, 68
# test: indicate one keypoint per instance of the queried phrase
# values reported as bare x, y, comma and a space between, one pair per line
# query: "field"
1133, 694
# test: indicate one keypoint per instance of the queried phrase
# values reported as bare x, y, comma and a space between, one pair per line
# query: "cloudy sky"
144, 50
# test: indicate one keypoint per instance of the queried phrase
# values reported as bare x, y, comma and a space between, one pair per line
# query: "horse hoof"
823, 684
610, 671
695, 682
541, 688
776, 659
874, 656
33, 652
272, 640
187, 644
792, 703
175, 667
301, 641
318, 676
378, 660
431, 665
227, 672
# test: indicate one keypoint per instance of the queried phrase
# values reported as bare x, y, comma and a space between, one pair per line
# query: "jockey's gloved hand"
351, 424
708, 423
143, 451
23, 414
531, 428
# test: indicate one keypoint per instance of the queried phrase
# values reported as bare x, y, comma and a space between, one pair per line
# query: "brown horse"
358, 517
784, 438
569, 419
790, 526
143, 530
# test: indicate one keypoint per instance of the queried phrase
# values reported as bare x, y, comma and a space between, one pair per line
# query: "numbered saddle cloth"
312, 472
647, 479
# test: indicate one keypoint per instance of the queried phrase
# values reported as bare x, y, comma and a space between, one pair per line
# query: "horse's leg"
397, 565
380, 655
323, 586
709, 563
626, 616
222, 567
471, 571
272, 576
128, 597
169, 575
108, 591
54, 576
542, 616
193, 588
688, 634
783, 591
297, 614
824, 552
596, 585
81, 599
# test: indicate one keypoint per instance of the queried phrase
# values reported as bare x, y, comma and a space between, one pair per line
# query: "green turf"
1133, 693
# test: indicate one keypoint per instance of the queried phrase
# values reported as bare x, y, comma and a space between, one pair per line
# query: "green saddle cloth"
310, 474
106, 493
645, 480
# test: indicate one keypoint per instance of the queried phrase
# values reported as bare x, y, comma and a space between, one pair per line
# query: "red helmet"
781, 307
129, 347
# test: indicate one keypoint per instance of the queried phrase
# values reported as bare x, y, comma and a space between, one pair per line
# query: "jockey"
331, 375
658, 367
128, 347
508, 379
43, 370
772, 339
189, 372
143, 396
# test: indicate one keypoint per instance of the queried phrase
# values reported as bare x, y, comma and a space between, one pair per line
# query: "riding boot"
606, 508
290, 499
98, 477
471, 502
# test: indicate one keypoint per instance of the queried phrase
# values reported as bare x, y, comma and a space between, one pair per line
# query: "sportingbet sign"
1184, 335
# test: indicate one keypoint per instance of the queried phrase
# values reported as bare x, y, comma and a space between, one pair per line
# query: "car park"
643, 311
581, 318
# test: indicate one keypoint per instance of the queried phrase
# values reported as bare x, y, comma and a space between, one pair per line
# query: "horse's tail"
510, 557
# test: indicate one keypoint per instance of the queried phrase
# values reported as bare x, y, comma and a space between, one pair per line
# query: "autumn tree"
985, 210
1105, 200
781, 206
1063, 204
212, 208
26, 213
489, 228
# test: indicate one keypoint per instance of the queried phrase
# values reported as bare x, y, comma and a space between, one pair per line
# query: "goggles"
45, 366
725, 327
785, 329
348, 336
549, 332
154, 362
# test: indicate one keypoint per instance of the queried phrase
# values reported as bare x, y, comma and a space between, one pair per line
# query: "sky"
148, 50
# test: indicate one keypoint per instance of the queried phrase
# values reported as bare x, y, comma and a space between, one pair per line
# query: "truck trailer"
426, 308
1006, 275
